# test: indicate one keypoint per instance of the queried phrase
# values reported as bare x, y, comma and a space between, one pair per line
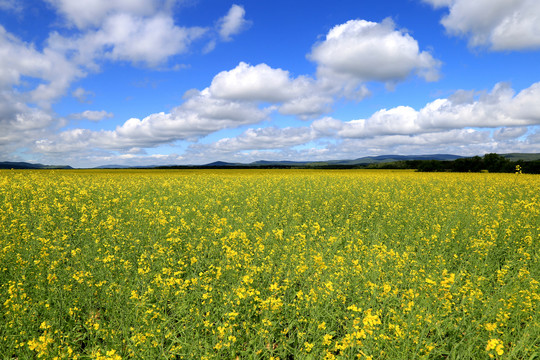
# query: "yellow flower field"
269, 264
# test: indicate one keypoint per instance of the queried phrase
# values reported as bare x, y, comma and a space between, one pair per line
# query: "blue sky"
132, 82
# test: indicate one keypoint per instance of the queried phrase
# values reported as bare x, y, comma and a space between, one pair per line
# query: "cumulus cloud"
362, 51
265, 84
142, 33
198, 116
507, 133
301, 96
499, 24
263, 139
30, 80
149, 40
308, 105
19, 124
399, 120
84, 14
256, 83
137, 31
457, 141
233, 23
466, 123
351, 55
499, 108
327, 126
52, 71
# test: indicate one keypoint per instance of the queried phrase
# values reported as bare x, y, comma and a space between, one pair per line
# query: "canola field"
269, 264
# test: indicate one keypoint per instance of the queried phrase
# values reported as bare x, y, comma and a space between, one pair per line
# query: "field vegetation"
269, 264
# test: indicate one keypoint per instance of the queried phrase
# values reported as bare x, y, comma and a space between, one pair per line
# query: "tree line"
488, 163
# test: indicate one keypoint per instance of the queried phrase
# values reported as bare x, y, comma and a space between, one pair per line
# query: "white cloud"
364, 51
309, 104
457, 141
455, 137
20, 124
352, 54
207, 107
92, 115
271, 144
89, 13
82, 95
399, 120
526, 104
30, 80
262, 138
198, 116
258, 83
149, 40
500, 24
327, 126
67, 142
301, 96
141, 31
233, 23
49, 68
507, 133
498, 108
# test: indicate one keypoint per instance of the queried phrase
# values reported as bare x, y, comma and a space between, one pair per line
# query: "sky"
178, 82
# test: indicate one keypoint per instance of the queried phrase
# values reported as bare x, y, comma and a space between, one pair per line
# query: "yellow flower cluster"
495, 345
262, 264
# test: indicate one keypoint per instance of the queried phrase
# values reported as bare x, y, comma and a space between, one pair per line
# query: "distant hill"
25, 165
393, 158
379, 161
360, 161
112, 167
521, 156
221, 164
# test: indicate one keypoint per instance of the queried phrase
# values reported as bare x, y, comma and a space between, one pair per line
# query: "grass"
252, 264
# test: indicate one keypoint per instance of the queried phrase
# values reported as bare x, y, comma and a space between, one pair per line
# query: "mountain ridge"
26, 165
361, 161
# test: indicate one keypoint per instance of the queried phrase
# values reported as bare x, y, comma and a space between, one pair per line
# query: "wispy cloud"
233, 23
92, 115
